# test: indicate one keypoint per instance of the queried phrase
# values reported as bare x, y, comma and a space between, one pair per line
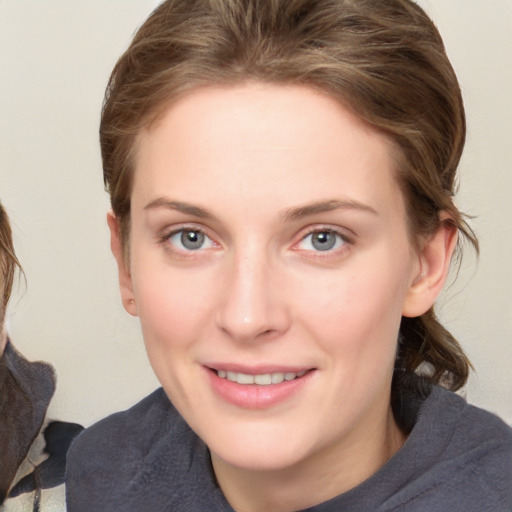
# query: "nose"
254, 303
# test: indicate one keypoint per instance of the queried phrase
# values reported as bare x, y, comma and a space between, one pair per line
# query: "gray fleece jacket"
458, 458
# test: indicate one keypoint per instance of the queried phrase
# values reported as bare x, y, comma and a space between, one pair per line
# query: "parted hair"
8, 264
384, 60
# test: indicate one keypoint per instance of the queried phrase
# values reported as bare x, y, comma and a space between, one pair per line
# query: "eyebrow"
295, 213
187, 208
327, 206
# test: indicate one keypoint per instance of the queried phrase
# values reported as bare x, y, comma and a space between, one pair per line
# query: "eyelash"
342, 241
168, 235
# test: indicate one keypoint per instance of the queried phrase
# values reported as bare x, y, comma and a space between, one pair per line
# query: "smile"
258, 387
264, 379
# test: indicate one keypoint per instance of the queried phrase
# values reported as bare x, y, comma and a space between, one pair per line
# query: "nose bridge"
251, 305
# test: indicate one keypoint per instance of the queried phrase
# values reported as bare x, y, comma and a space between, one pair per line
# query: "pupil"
192, 239
323, 241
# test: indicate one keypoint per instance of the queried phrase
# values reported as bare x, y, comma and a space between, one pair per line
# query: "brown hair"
384, 60
8, 264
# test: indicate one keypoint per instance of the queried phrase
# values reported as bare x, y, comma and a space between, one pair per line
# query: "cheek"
356, 314
172, 307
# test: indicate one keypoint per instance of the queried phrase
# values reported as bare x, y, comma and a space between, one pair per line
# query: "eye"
323, 240
190, 240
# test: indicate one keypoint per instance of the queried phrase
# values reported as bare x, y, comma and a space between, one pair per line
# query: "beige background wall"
55, 57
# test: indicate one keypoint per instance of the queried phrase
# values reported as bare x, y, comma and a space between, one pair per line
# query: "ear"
125, 278
434, 263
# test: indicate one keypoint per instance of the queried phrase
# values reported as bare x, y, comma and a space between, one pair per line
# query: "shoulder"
471, 427
122, 455
458, 458
482, 446
139, 422
135, 429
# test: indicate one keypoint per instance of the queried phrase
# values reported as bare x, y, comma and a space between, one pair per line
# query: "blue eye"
324, 240
190, 240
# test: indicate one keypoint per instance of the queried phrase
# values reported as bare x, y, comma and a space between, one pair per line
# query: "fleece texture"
457, 458
25, 391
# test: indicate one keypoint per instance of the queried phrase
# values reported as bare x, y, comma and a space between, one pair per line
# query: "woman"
25, 388
281, 177
32, 463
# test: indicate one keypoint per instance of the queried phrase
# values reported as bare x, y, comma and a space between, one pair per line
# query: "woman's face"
270, 264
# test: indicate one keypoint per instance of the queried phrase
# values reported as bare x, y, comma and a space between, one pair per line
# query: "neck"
324, 475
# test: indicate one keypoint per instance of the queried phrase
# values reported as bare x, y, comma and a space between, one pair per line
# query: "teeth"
264, 379
242, 378
277, 378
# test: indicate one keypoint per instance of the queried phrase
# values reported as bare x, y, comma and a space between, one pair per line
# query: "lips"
257, 388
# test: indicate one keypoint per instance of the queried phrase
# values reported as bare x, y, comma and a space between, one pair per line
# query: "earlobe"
434, 263
125, 279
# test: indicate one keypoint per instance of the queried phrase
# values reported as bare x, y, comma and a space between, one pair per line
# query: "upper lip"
259, 369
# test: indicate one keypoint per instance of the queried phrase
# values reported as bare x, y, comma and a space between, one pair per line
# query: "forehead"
250, 140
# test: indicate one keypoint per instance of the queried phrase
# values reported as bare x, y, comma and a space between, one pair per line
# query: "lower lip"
254, 396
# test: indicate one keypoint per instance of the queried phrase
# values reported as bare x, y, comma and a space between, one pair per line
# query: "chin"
272, 450
262, 460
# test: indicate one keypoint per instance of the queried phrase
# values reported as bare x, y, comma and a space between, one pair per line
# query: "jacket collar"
25, 391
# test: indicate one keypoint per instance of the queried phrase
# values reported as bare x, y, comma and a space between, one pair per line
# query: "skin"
244, 165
